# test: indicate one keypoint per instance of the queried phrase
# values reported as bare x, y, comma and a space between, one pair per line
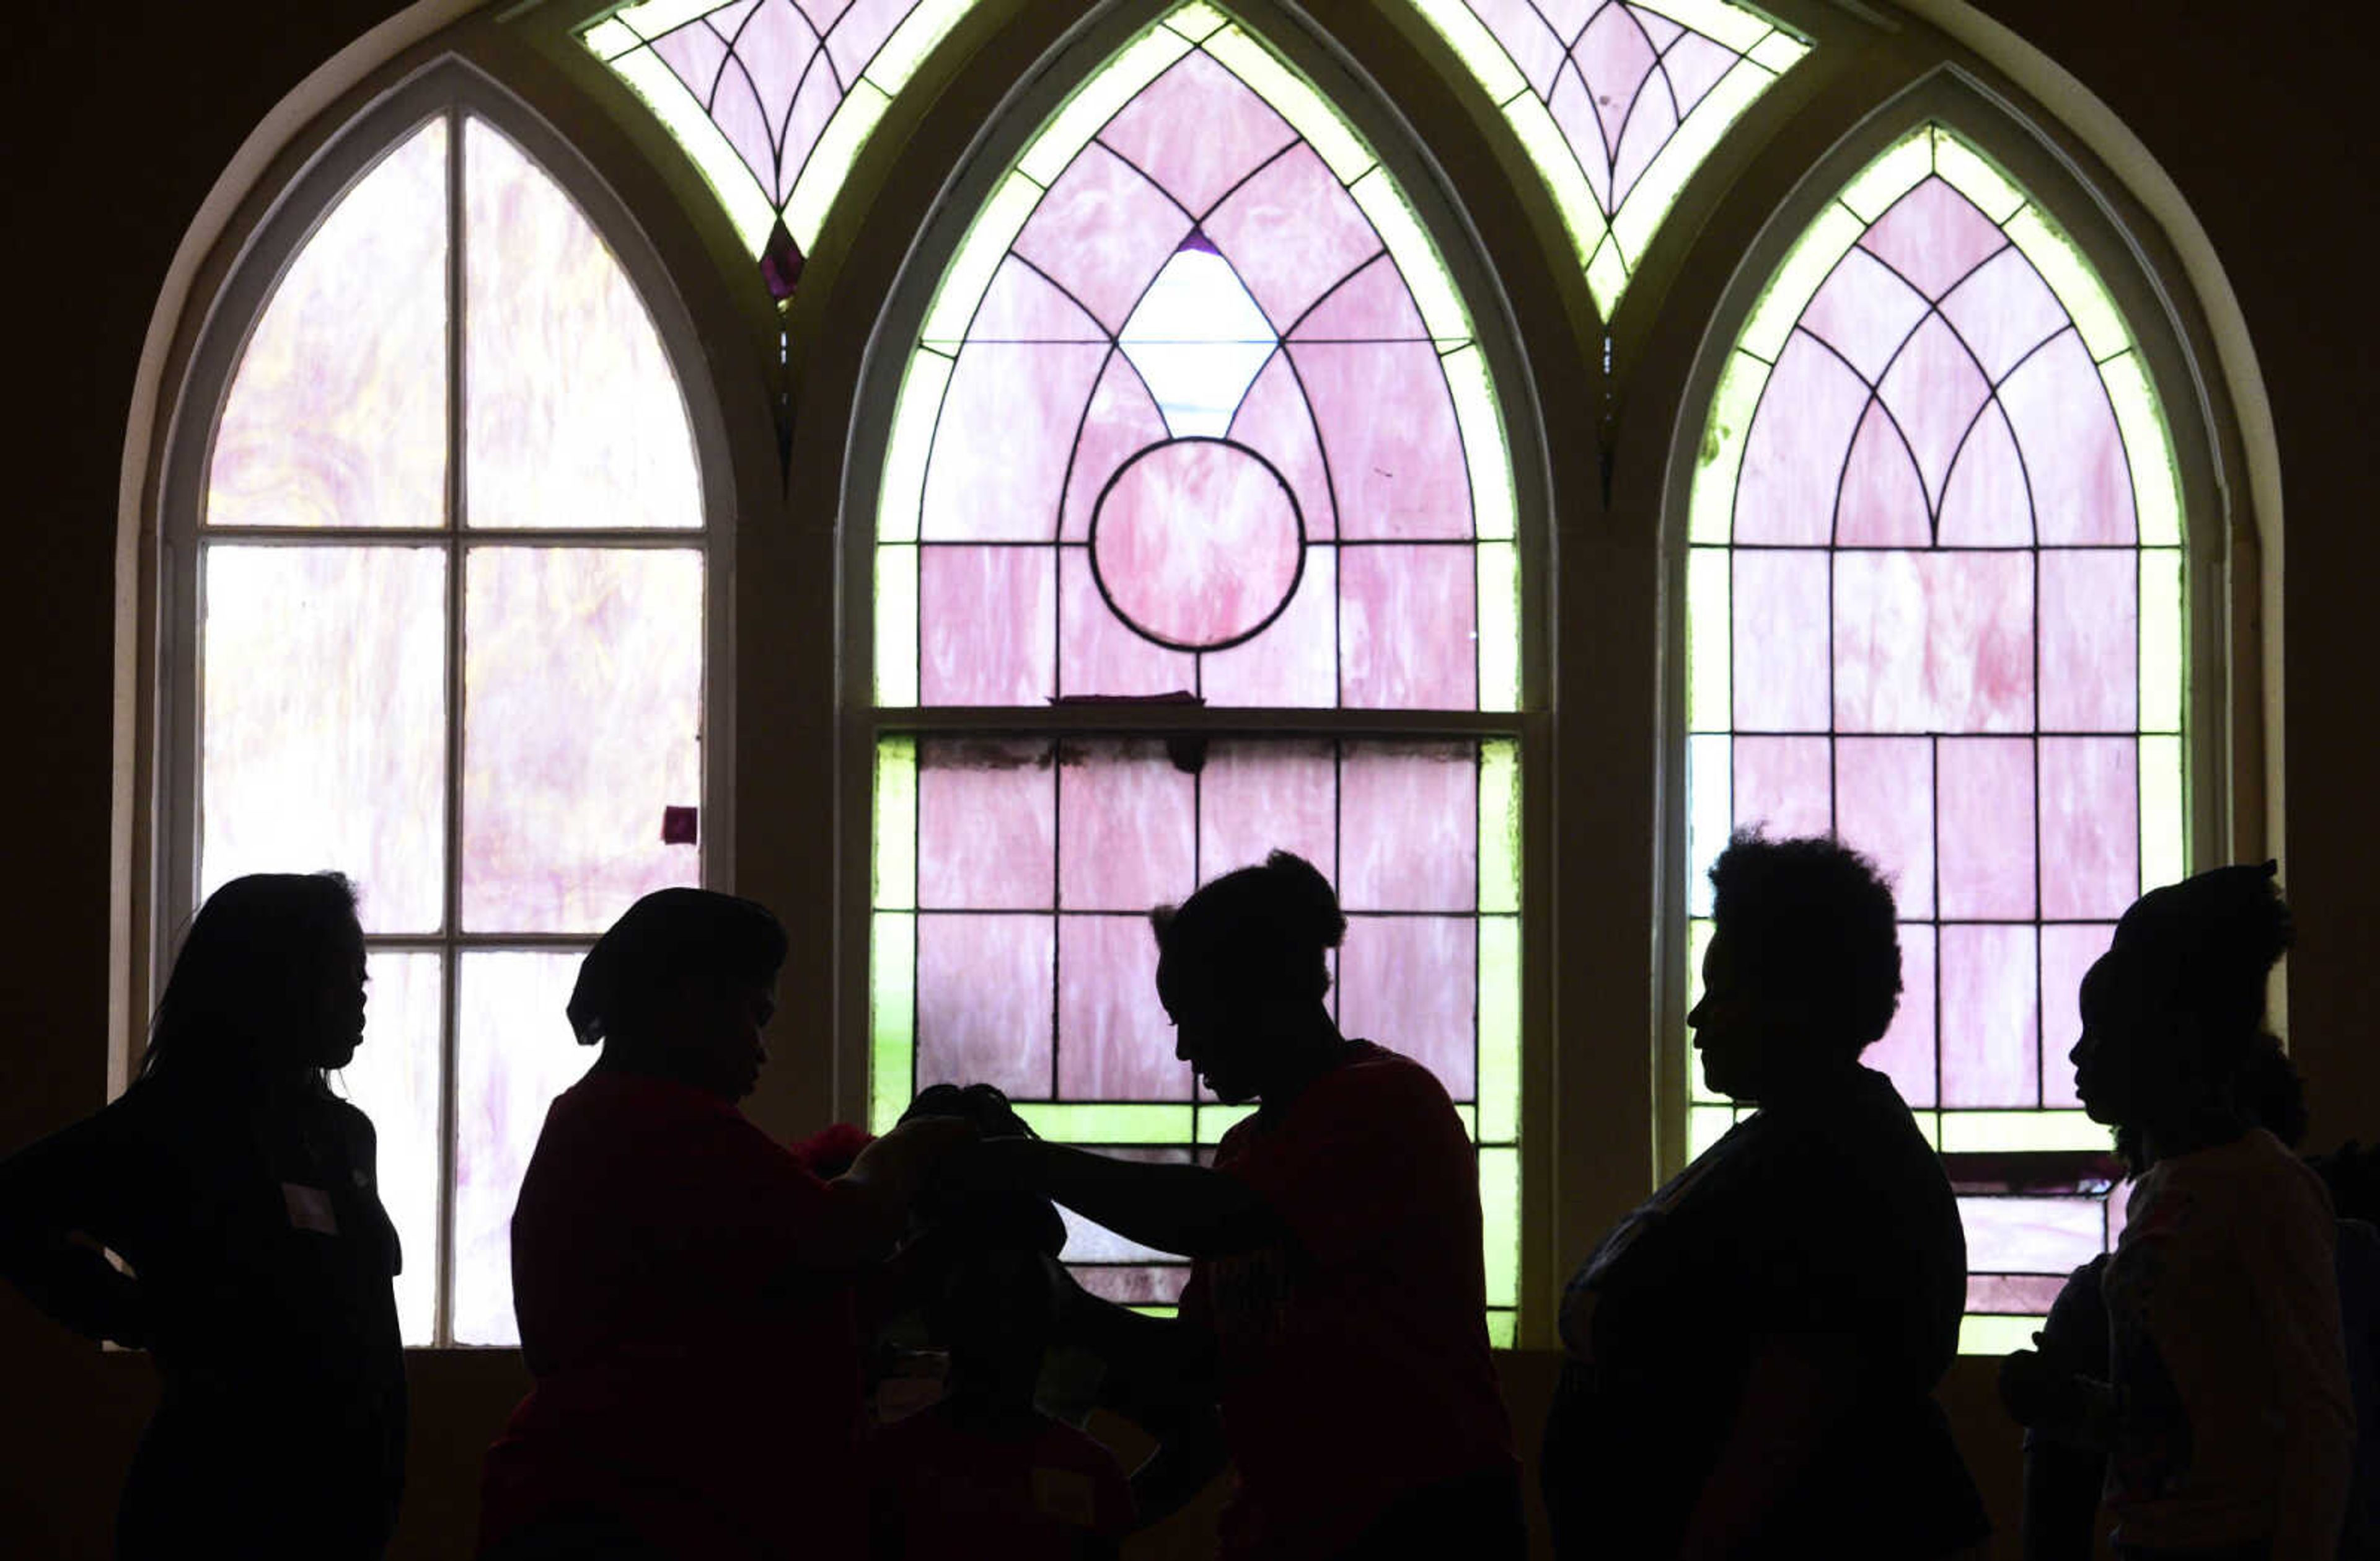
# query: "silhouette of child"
241, 1192
984, 1472
2226, 1414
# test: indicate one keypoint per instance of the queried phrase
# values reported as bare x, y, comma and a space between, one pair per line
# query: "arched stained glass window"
1617, 102
1197, 415
451, 641
1935, 604
773, 99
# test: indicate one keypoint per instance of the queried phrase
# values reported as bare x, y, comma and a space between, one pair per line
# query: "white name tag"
309, 1209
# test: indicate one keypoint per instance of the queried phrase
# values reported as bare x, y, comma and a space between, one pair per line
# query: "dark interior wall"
121, 118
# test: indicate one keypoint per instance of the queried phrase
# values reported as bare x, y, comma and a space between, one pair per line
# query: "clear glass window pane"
337, 416
322, 721
582, 689
514, 1052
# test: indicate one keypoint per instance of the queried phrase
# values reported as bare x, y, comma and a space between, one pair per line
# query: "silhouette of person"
2226, 1415
1752, 1353
2063, 1476
241, 1194
683, 1282
1332, 1340
984, 1471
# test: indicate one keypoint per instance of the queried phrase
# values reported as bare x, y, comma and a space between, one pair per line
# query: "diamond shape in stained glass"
1199, 340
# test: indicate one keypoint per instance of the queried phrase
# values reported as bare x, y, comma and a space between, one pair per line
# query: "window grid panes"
773, 100
451, 643
1197, 414
1617, 104
1935, 605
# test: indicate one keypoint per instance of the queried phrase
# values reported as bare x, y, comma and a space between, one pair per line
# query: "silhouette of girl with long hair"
241, 1194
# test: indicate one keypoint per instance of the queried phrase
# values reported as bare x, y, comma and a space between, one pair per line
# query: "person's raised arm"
867, 1207
1190, 1210
50, 1195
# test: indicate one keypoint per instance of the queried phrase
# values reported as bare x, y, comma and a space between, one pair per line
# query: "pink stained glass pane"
1372, 305
1291, 232
1409, 826
1574, 109
1197, 131
1651, 123
1257, 798
2090, 827
861, 31
1527, 35
986, 624
1102, 233
395, 1080
1411, 983
1294, 663
2003, 311
1099, 652
1407, 615
1114, 1042
2013, 1295
1135, 1284
1126, 826
1986, 502
1884, 808
2090, 640
999, 465
695, 52
2073, 454
1991, 1049
1794, 454
1985, 792
1864, 313
1198, 544
1389, 432
336, 414
1781, 786
1781, 638
1906, 1053
1120, 421
2068, 951
1933, 390
737, 111
1933, 236
514, 1052
1277, 420
1615, 58
322, 721
1694, 65
2052, 1236
776, 48
572, 413
1930, 642
1883, 501
987, 826
985, 999
582, 720
1660, 29
1022, 305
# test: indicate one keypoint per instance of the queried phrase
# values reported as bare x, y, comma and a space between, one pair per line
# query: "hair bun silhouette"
1265, 929
1309, 906
666, 936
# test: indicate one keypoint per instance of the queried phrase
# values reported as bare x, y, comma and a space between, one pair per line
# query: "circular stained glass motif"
1198, 542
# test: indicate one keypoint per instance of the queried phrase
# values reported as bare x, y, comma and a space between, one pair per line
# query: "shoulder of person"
1376, 1075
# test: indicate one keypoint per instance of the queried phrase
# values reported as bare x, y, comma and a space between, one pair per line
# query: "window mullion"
449, 1110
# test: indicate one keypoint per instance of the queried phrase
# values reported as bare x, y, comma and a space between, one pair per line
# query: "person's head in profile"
2173, 1014
682, 987
268, 989
1242, 969
1803, 969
